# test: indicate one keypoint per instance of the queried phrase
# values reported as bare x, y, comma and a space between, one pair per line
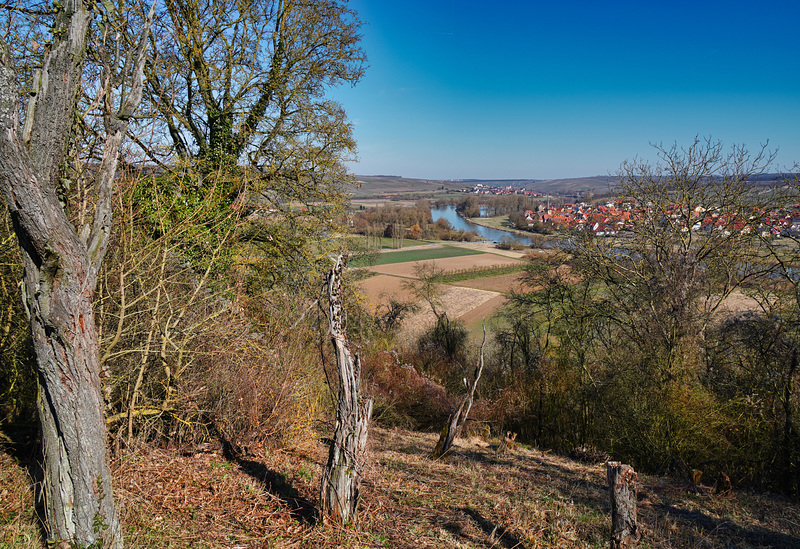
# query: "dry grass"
475, 498
18, 526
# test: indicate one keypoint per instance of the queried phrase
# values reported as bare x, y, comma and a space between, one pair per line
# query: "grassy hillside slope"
476, 498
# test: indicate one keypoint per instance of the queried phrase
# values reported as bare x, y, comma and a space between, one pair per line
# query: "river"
458, 222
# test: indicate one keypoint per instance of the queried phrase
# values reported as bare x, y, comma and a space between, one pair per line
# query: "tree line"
415, 222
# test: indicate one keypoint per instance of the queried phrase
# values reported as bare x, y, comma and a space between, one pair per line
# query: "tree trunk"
622, 488
341, 479
59, 281
457, 419
79, 500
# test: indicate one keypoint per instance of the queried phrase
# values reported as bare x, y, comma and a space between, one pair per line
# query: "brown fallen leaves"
476, 498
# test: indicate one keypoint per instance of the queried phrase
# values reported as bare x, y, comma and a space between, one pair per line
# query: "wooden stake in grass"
459, 417
341, 479
622, 488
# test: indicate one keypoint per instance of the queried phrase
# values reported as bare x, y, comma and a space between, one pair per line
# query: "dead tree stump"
622, 489
341, 479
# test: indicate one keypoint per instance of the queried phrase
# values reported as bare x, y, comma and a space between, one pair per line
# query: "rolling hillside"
386, 186
392, 185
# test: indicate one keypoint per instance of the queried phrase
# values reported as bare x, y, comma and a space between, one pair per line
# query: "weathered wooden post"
341, 479
622, 489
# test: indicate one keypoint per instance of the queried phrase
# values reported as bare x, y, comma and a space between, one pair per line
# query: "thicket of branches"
635, 345
185, 288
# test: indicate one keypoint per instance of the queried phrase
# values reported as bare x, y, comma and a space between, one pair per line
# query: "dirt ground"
381, 288
469, 301
483, 311
459, 303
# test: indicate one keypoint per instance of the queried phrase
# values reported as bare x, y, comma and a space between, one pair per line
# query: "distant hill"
596, 184
384, 185
388, 185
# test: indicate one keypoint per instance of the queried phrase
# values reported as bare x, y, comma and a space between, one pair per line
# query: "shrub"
402, 395
447, 338
507, 243
17, 363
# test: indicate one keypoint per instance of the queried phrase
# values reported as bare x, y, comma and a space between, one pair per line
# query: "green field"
498, 222
404, 256
358, 242
480, 272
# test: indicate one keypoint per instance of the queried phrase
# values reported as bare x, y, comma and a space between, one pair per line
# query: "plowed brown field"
469, 301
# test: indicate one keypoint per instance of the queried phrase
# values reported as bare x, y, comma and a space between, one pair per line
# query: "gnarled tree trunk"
60, 278
341, 479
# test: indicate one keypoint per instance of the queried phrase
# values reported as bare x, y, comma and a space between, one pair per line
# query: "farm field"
469, 300
475, 260
386, 243
416, 254
502, 283
497, 222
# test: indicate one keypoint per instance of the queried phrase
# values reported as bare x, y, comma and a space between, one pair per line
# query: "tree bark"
457, 419
59, 281
622, 488
341, 479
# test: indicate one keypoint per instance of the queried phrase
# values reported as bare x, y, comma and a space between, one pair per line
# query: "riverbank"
459, 222
500, 223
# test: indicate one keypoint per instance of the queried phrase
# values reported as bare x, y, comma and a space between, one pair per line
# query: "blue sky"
544, 90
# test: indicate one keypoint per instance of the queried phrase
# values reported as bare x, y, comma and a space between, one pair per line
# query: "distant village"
500, 190
612, 217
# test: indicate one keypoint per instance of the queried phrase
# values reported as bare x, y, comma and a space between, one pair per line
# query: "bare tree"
457, 419
61, 265
245, 83
690, 243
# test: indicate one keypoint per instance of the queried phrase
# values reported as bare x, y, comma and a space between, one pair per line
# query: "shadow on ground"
275, 483
725, 529
494, 531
